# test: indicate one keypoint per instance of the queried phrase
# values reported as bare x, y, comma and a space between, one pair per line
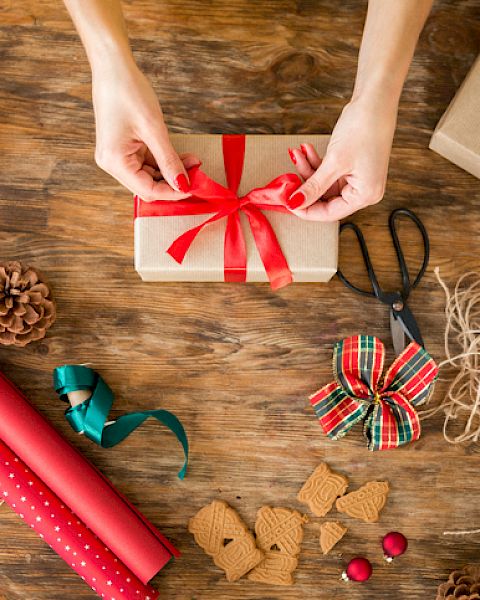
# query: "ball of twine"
461, 404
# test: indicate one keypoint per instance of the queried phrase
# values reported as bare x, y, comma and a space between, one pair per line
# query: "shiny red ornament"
394, 544
358, 569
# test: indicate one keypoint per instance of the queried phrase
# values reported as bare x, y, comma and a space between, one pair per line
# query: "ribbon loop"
357, 394
90, 416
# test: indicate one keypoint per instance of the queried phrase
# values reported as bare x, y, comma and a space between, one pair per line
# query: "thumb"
169, 163
315, 186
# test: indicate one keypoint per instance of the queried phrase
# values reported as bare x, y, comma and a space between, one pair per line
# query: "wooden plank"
236, 363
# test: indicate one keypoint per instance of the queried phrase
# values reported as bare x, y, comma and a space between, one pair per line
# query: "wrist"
381, 95
111, 59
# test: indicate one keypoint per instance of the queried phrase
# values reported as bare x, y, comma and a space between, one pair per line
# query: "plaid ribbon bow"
358, 393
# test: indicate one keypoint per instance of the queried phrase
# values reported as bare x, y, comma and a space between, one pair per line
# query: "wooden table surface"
235, 362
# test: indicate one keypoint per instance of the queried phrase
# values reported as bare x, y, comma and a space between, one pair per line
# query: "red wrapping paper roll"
80, 486
36, 504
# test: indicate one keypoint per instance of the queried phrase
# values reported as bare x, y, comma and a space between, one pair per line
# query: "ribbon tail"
235, 251
392, 423
181, 245
273, 259
337, 412
121, 428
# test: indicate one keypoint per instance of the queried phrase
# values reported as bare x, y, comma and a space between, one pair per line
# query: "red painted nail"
292, 156
182, 183
303, 148
296, 200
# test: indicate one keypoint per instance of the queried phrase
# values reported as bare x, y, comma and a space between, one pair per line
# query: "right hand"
132, 139
353, 173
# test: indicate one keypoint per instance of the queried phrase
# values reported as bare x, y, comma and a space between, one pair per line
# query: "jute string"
461, 403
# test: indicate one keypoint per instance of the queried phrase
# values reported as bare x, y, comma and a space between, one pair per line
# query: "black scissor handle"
392, 224
376, 291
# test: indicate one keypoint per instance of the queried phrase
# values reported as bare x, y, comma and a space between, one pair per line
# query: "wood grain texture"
236, 363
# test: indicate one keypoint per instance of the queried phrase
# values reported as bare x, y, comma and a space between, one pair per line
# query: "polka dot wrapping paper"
44, 512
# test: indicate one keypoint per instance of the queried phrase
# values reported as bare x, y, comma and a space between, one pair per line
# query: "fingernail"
296, 200
303, 148
292, 156
182, 183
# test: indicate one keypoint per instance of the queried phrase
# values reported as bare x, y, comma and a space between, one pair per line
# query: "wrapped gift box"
310, 248
457, 135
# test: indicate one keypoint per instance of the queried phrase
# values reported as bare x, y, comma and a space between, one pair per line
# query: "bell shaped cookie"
366, 503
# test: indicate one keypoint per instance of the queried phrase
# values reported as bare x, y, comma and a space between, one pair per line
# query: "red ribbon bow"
208, 196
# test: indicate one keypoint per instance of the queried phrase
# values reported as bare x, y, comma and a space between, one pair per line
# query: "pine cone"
463, 584
26, 307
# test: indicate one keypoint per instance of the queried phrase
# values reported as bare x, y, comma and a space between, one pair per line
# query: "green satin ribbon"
90, 416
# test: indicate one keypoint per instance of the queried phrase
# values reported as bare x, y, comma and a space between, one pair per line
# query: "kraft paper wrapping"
311, 248
61, 529
81, 487
457, 135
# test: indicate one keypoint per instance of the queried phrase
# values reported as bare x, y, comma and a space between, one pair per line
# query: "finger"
308, 150
335, 209
154, 173
148, 169
306, 160
189, 160
167, 159
150, 164
301, 163
314, 187
335, 189
162, 191
142, 183
149, 159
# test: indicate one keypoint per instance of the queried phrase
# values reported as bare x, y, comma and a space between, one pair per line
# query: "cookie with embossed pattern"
321, 489
366, 503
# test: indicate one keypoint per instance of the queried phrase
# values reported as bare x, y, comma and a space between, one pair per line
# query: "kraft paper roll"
61, 529
81, 487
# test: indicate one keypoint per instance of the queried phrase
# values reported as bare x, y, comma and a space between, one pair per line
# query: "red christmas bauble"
394, 544
358, 569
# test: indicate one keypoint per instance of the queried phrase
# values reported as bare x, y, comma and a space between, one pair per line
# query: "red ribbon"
208, 196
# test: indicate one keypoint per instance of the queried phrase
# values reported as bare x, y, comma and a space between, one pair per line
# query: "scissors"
402, 322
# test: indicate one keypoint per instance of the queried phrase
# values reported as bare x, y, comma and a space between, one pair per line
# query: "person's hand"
353, 173
132, 139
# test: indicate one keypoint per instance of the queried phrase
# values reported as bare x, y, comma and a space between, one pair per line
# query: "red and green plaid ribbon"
387, 406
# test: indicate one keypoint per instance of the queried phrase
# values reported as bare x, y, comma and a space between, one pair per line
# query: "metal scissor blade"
410, 326
399, 337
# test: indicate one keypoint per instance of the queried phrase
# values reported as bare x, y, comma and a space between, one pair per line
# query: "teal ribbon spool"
90, 417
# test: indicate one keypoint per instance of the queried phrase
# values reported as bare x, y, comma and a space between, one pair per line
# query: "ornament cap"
387, 558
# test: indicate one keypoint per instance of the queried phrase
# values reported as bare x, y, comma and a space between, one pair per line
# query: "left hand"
354, 171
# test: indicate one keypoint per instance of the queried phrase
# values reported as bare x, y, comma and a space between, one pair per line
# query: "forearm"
102, 30
390, 35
